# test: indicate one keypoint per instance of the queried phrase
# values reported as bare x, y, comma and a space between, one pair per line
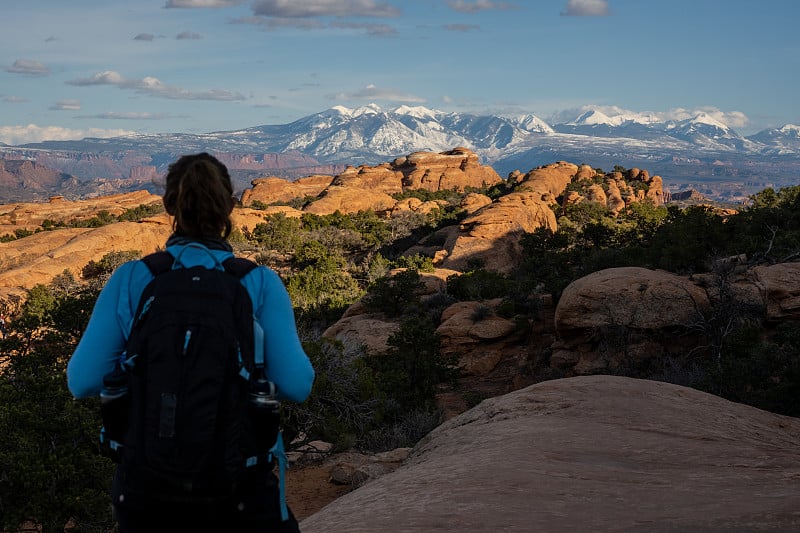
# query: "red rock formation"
549, 180
456, 169
492, 233
365, 187
273, 189
145, 173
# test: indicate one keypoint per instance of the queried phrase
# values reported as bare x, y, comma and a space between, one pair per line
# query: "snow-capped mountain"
370, 133
698, 145
366, 134
709, 133
779, 141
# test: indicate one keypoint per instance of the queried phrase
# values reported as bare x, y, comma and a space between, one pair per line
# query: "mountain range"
699, 152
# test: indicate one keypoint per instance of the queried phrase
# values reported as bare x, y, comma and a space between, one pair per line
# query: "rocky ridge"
496, 353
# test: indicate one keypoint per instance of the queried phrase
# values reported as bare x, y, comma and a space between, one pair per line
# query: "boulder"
479, 342
41, 257
32, 214
382, 178
779, 287
474, 201
613, 316
359, 329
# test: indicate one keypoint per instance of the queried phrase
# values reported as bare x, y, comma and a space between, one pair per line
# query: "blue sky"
103, 67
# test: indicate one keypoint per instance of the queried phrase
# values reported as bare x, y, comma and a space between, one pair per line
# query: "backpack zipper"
187, 337
145, 307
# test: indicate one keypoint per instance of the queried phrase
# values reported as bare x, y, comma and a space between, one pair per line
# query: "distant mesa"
690, 195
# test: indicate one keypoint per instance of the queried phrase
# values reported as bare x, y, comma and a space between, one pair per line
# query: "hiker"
3, 326
198, 195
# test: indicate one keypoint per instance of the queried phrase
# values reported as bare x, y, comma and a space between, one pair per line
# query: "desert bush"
413, 368
344, 402
141, 211
101, 270
394, 295
416, 262
758, 371
51, 472
278, 232
405, 432
480, 284
481, 312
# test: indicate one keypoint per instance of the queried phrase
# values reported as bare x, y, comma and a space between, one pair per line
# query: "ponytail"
199, 195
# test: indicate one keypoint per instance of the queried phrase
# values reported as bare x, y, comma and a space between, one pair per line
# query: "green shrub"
764, 373
141, 211
51, 471
479, 285
416, 262
410, 373
344, 403
394, 295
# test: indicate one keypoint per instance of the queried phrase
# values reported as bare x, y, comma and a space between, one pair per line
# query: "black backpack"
188, 427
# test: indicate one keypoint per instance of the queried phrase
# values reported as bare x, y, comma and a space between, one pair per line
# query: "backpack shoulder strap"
238, 266
159, 262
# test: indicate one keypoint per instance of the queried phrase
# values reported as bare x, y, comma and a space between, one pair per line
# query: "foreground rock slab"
589, 453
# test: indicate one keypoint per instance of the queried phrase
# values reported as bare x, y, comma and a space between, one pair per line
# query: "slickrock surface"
60, 210
590, 453
41, 257
38, 258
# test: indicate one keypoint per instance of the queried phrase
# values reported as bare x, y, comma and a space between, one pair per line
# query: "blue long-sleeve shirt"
104, 340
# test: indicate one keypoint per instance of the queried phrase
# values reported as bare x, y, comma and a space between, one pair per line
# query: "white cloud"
479, 5
371, 92
15, 135
586, 8
203, 3
275, 23
66, 105
113, 115
15, 99
188, 35
155, 87
323, 8
461, 27
732, 119
308, 24
369, 29
28, 67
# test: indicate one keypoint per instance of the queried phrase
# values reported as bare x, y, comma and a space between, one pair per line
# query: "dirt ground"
308, 489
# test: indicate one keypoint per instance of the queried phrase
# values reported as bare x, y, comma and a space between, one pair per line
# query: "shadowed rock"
595, 453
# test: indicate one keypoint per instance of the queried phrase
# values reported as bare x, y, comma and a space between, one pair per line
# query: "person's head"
199, 195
